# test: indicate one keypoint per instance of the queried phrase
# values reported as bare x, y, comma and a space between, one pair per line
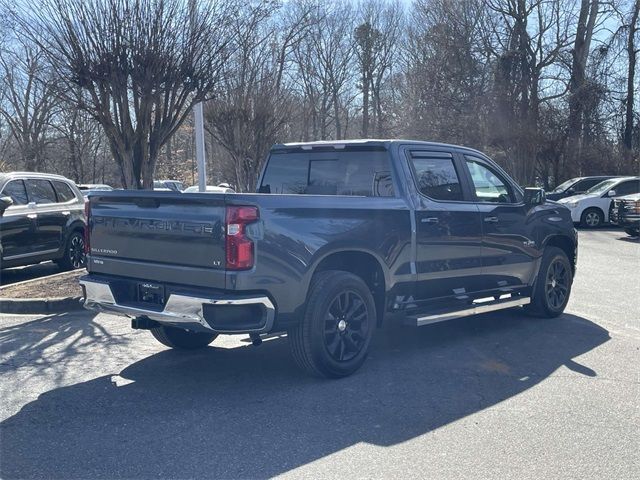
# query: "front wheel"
332, 340
634, 232
182, 339
553, 284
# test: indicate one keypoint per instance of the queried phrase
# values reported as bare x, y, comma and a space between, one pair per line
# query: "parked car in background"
575, 186
591, 209
87, 188
173, 185
339, 235
625, 212
210, 189
44, 221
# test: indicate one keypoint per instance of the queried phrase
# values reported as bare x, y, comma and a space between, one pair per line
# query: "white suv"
591, 209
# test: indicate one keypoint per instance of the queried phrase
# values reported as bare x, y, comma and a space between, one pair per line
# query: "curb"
40, 305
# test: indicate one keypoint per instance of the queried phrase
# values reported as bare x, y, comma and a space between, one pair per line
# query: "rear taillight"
87, 217
239, 246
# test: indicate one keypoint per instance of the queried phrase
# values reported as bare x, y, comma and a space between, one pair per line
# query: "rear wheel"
332, 340
553, 284
182, 339
634, 232
592, 218
74, 255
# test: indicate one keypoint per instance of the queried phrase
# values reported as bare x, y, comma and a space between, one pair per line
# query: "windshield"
563, 186
602, 186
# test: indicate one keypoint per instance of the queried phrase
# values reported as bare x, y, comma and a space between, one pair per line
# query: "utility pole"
200, 153
198, 112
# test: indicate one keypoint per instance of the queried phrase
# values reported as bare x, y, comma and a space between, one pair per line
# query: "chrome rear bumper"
180, 310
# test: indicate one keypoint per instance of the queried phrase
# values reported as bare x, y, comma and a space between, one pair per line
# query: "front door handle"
32, 216
429, 220
66, 213
491, 219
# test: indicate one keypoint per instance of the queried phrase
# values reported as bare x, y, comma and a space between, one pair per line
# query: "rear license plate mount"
152, 293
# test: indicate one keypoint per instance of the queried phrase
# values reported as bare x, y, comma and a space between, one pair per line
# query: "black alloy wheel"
75, 252
74, 256
346, 326
557, 284
552, 288
333, 336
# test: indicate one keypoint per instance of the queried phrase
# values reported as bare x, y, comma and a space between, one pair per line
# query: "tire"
332, 340
74, 256
181, 339
592, 218
553, 285
634, 232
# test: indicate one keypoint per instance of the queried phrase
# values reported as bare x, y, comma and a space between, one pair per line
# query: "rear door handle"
66, 213
430, 220
32, 216
491, 219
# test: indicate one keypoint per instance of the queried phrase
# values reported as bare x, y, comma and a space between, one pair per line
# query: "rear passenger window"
362, 173
627, 188
436, 177
40, 191
64, 192
15, 189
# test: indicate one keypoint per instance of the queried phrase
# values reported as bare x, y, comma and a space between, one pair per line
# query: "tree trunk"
631, 52
365, 105
584, 34
336, 113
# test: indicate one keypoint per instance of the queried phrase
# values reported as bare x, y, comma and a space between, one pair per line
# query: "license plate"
151, 293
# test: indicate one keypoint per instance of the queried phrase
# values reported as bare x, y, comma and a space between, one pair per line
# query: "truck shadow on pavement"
249, 413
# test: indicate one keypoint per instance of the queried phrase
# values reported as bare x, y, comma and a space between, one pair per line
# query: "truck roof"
10, 175
365, 142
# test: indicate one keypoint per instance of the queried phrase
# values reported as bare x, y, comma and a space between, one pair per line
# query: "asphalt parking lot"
497, 396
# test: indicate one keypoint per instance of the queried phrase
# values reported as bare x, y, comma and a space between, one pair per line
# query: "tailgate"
165, 236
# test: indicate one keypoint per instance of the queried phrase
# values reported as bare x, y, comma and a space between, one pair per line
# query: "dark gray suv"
42, 218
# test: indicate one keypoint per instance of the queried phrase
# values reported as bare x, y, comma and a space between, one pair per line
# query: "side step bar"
443, 315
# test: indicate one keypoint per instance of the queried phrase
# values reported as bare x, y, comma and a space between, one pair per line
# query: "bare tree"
578, 87
325, 67
376, 40
256, 104
141, 63
529, 39
81, 135
28, 100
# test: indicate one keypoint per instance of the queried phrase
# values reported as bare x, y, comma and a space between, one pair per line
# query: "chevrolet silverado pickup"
338, 237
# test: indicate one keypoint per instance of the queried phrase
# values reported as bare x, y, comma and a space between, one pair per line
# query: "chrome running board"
444, 315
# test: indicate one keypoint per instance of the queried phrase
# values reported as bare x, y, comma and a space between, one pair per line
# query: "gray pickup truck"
338, 237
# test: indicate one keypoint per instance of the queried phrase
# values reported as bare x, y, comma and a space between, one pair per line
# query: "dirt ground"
65, 285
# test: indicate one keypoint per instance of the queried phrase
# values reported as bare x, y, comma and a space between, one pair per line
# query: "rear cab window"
329, 172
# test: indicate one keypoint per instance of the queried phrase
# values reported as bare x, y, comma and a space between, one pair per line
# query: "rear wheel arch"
363, 264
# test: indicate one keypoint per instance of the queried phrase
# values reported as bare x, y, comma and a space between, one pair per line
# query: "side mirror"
611, 193
534, 196
5, 202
